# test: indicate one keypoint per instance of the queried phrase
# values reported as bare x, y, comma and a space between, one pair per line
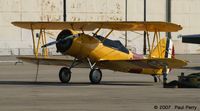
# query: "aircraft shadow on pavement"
193, 68
108, 83
127, 83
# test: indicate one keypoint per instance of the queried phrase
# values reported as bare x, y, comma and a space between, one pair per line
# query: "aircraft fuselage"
88, 46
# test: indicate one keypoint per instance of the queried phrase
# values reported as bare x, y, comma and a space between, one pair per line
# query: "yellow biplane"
97, 52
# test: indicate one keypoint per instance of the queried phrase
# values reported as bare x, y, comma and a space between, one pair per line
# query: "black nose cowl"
65, 44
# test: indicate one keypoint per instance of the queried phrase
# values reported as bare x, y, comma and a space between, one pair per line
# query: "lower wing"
154, 63
118, 65
51, 61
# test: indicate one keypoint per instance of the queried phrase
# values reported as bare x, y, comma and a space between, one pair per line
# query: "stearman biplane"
99, 52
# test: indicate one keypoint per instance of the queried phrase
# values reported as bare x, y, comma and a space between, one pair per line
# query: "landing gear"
155, 78
95, 73
65, 75
95, 76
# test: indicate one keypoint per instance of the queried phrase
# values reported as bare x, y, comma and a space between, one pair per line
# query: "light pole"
144, 46
168, 15
64, 10
126, 21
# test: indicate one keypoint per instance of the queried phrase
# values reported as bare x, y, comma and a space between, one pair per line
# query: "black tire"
95, 76
65, 75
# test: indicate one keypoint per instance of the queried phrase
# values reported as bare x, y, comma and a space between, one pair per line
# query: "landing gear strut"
155, 78
65, 73
95, 73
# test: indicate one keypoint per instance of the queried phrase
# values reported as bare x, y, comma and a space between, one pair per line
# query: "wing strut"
41, 40
156, 38
33, 38
107, 35
148, 39
97, 32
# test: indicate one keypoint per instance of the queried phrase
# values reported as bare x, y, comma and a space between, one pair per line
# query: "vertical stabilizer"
164, 49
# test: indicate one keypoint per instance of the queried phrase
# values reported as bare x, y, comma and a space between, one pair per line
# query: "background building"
184, 12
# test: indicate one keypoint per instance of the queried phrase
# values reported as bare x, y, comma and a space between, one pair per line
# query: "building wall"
12, 38
184, 12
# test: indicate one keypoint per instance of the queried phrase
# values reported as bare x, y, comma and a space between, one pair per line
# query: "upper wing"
50, 61
157, 63
90, 26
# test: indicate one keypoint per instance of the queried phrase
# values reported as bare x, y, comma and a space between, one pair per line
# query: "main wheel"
65, 75
95, 76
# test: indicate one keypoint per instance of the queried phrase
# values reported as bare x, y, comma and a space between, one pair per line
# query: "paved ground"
118, 91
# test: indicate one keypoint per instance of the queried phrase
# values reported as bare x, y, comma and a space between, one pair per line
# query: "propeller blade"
49, 44
55, 42
68, 37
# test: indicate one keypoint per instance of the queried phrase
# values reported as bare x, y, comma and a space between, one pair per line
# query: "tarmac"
117, 91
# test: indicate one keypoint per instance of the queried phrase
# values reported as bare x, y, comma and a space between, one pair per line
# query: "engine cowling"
66, 44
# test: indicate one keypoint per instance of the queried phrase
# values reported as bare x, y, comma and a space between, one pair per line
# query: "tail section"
164, 49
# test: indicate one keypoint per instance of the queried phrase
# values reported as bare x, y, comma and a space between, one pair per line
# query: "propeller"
52, 43
61, 40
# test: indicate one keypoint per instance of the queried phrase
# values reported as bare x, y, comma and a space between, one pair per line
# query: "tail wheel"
95, 76
65, 75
